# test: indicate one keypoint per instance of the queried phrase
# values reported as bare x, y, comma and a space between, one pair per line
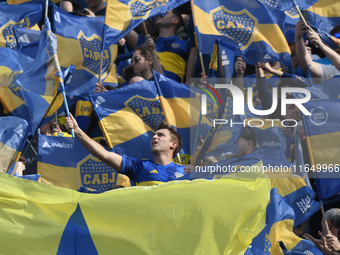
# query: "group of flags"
65, 58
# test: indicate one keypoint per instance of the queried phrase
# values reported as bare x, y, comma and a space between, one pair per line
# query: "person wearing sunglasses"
172, 50
143, 62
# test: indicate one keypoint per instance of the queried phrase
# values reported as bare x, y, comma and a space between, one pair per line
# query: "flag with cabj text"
64, 162
247, 24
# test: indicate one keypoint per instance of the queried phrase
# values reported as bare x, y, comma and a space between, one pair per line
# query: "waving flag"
13, 135
80, 43
270, 161
70, 222
279, 227
223, 56
322, 129
249, 25
77, 169
140, 108
124, 15
25, 15
37, 85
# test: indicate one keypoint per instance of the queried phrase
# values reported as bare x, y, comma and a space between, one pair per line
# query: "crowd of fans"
167, 45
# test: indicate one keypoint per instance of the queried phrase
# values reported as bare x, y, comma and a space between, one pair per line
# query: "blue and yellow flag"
124, 15
13, 135
322, 130
272, 162
12, 64
11, 16
222, 60
30, 95
279, 227
116, 221
329, 89
249, 25
80, 43
64, 162
324, 14
130, 115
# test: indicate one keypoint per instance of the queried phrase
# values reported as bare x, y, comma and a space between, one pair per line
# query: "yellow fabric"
68, 177
180, 217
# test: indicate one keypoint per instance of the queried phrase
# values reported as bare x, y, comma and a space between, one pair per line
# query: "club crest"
149, 110
95, 174
8, 38
141, 9
241, 26
90, 49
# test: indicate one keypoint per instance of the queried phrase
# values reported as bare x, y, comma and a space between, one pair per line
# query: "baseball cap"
290, 35
249, 134
334, 29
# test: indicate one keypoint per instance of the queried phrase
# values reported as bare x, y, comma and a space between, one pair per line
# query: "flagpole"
323, 217
100, 67
46, 9
301, 16
199, 52
36, 131
67, 110
146, 33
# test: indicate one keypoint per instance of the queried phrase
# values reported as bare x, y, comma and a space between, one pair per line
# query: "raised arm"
112, 159
131, 39
305, 60
330, 54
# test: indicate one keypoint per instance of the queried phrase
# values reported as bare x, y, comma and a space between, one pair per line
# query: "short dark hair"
249, 134
334, 216
175, 137
178, 15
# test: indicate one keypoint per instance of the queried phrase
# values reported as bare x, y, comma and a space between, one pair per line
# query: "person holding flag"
165, 143
324, 72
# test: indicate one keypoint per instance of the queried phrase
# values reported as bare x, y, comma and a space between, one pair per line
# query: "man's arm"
305, 60
330, 54
131, 39
112, 159
191, 64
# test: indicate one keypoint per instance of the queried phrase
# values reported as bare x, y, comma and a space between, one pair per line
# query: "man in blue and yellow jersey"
172, 51
165, 143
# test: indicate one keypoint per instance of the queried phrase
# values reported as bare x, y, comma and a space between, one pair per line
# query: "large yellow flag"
179, 217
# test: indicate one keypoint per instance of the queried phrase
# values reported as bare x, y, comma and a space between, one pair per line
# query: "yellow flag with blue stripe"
78, 167
41, 80
80, 44
248, 24
129, 116
69, 222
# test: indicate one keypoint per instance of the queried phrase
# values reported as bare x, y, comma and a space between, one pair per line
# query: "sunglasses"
135, 60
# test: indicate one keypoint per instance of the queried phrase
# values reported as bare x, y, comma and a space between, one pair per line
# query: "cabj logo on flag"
241, 26
141, 9
95, 174
149, 110
7, 32
90, 49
